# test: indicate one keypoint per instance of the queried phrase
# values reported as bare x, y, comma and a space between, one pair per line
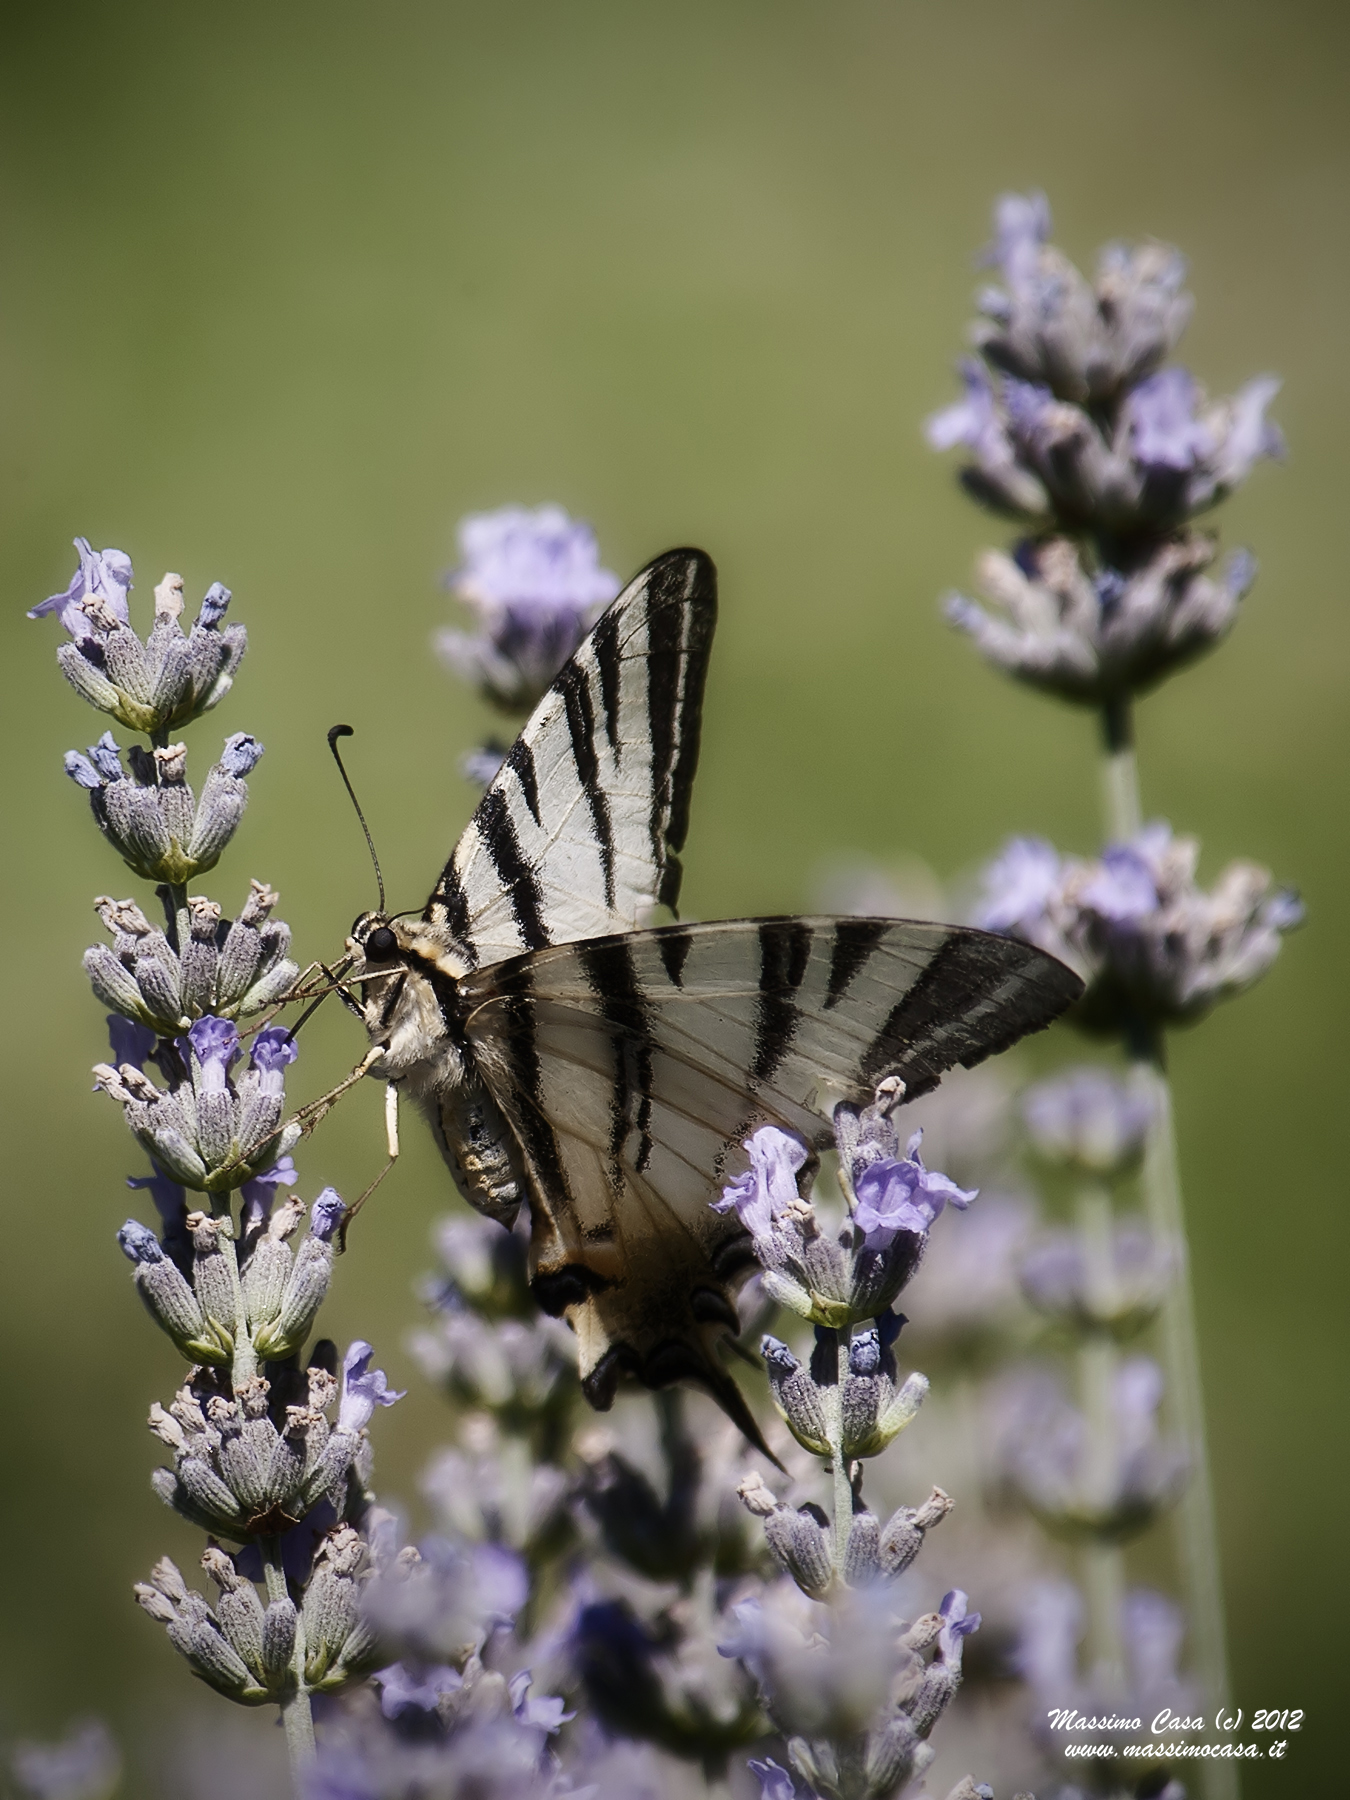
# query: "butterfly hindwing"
633, 1066
579, 831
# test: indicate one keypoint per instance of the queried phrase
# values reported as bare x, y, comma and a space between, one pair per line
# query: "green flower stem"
1197, 1535
1098, 1367
177, 927
244, 1364
297, 1717
1120, 773
1196, 1529
843, 1486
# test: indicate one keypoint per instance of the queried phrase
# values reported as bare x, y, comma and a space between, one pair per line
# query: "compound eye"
381, 945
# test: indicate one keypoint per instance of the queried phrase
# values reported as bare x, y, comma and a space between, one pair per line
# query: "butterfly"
606, 1073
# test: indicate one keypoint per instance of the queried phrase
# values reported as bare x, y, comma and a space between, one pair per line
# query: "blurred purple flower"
535, 581
1093, 639
1089, 1118
84, 1765
1154, 947
1164, 430
1118, 1285
1042, 1444
131, 1043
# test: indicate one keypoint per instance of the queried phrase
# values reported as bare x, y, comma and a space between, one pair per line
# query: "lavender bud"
278, 1642
307, 1283
214, 1272
796, 1396
895, 1755
238, 1609
862, 1558
265, 1274
801, 1543
904, 1533
168, 1299
336, 1641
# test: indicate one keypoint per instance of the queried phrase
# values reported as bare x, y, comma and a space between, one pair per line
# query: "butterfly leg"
391, 1118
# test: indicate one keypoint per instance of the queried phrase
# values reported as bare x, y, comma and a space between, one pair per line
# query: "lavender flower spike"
151, 817
1089, 1119
214, 1128
229, 968
363, 1389
535, 581
152, 685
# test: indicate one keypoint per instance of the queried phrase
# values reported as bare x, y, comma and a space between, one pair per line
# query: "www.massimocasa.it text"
1264, 1719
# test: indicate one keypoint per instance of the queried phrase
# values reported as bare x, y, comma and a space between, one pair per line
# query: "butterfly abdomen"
477, 1145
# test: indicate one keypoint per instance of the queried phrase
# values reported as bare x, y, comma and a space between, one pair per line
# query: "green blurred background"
289, 287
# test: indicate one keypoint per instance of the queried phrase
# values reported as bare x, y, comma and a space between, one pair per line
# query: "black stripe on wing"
854, 941
971, 1001
575, 686
682, 612
608, 963
784, 952
517, 876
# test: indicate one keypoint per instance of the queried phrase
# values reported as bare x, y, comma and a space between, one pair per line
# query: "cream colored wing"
631, 1068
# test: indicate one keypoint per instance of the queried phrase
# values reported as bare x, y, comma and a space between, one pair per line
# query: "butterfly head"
376, 939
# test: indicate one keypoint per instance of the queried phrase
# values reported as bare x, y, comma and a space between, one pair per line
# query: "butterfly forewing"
577, 835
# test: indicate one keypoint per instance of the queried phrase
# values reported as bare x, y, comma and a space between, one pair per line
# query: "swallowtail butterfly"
606, 1073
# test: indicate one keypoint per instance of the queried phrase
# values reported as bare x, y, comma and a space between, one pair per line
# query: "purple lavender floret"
258, 1194
325, 1216
215, 1045
274, 1050
102, 580
534, 580
842, 1277
363, 1389
895, 1196
958, 1622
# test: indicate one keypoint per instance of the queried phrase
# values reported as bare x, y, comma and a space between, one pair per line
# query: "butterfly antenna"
341, 731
